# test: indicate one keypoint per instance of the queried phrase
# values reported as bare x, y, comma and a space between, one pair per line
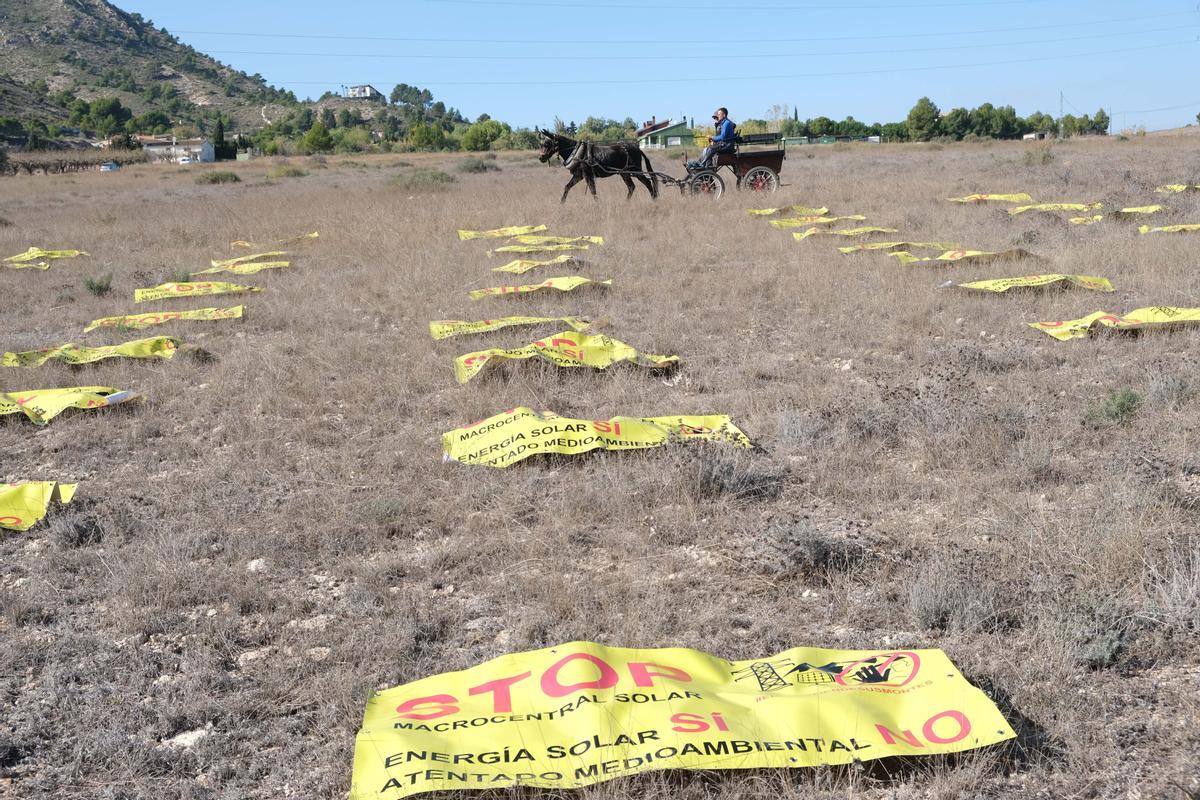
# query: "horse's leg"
591, 183
646, 182
628, 185
575, 178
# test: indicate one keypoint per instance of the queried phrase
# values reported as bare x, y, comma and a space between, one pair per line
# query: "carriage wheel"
707, 184
759, 179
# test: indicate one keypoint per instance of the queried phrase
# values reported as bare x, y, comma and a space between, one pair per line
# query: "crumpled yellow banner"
1085, 220
863, 246
566, 349
139, 321
189, 289
236, 260
522, 265
529, 238
804, 211
1031, 281
538, 248
245, 269
1186, 228
1021, 197
581, 713
154, 347
1177, 188
800, 236
23, 505
37, 253
500, 233
1138, 318
514, 435
302, 237
43, 405
1056, 207
1137, 210
445, 328
964, 255
800, 222
563, 283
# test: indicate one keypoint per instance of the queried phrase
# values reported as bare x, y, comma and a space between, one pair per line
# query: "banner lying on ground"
1186, 228
992, 198
514, 435
566, 349
953, 256
139, 321
43, 405
539, 248
155, 347
38, 254
1032, 281
1176, 188
529, 238
523, 265
302, 237
189, 289
1056, 207
500, 233
1139, 210
246, 269
800, 236
23, 505
858, 248
236, 260
1086, 220
801, 210
582, 713
1138, 318
445, 328
563, 283
800, 222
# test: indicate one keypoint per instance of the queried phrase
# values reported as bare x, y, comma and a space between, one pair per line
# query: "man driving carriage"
722, 141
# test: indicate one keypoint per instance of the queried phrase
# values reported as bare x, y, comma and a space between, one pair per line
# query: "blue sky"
528, 61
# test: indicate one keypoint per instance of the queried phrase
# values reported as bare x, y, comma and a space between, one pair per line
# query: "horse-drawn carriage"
755, 163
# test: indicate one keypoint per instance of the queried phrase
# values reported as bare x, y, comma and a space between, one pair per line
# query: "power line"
748, 56
757, 40
1196, 104
691, 7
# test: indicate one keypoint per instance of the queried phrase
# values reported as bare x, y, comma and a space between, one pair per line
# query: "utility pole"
1060, 115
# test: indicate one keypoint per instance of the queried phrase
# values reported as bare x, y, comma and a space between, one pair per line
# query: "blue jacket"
725, 132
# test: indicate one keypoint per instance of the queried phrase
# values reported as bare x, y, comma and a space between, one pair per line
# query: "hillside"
54, 51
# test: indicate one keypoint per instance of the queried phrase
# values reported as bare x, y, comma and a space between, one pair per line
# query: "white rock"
250, 656
256, 565
187, 739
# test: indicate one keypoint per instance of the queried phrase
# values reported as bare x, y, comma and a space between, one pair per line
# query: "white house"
162, 148
364, 92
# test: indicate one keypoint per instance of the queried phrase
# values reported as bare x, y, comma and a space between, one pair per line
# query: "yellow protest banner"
529, 238
954, 256
563, 283
538, 248
155, 347
193, 289
582, 713
500, 233
1177, 188
1186, 228
445, 328
43, 405
37, 254
1056, 207
566, 349
864, 246
26, 265
992, 198
800, 236
139, 321
1086, 220
521, 265
246, 269
23, 505
236, 260
1033, 281
804, 211
512, 436
302, 237
1138, 318
1139, 211
800, 222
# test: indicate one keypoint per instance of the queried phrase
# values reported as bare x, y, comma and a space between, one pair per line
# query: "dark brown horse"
587, 161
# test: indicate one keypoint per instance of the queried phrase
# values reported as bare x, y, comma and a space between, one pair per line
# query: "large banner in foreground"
582, 713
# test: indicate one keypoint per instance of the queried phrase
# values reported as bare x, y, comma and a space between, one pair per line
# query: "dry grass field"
272, 534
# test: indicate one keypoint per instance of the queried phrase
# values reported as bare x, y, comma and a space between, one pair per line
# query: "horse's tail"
650, 171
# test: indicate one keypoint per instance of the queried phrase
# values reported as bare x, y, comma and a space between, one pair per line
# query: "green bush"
99, 286
218, 177
478, 165
1119, 407
286, 171
423, 180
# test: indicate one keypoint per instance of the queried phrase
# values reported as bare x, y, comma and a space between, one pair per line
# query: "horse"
587, 161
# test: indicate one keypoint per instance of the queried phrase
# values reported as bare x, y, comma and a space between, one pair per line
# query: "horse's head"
550, 145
